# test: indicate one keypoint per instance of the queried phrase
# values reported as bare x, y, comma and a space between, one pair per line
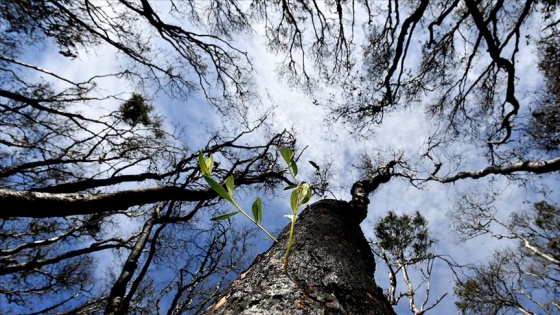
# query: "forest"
279, 157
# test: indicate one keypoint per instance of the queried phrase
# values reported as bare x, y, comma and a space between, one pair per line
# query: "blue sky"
406, 130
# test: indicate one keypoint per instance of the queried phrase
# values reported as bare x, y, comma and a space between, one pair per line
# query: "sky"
326, 141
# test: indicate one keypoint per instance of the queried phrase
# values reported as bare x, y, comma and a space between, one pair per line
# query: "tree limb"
361, 189
34, 204
43, 205
537, 167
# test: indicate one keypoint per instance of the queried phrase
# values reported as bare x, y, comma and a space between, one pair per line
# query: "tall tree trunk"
330, 269
118, 291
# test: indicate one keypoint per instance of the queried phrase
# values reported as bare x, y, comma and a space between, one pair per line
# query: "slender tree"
403, 244
521, 278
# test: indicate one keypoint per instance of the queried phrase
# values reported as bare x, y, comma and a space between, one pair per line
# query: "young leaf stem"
290, 243
206, 165
254, 221
301, 194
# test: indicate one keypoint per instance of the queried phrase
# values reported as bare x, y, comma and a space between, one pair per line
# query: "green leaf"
230, 185
287, 155
294, 167
224, 216
290, 187
257, 210
294, 200
306, 193
218, 188
202, 164
209, 161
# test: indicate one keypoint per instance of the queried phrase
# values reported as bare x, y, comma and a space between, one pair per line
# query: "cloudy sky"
405, 130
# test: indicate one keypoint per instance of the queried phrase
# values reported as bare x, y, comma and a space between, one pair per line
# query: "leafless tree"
57, 237
465, 77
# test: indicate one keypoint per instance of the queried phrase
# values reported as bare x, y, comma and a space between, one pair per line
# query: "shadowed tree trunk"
330, 269
330, 272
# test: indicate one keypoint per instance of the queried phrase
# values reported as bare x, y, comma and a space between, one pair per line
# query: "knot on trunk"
360, 201
361, 190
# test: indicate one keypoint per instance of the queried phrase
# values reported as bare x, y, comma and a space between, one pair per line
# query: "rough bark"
44, 205
330, 272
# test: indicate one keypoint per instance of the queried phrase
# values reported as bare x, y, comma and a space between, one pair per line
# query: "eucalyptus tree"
463, 63
521, 278
404, 245
69, 175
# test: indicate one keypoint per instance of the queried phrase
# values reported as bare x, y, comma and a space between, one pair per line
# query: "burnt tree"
331, 265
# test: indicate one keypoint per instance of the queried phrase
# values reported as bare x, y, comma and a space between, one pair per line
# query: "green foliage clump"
547, 219
469, 288
135, 111
406, 237
545, 123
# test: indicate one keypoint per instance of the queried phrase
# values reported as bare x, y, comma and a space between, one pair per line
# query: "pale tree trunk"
330, 269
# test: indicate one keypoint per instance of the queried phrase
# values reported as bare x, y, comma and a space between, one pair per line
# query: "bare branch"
536, 167
44, 205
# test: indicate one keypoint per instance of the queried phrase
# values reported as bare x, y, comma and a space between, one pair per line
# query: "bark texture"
330, 272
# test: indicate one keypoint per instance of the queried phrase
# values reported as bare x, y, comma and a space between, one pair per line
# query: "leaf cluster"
135, 110
406, 236
522, 277
206, 166
301, 194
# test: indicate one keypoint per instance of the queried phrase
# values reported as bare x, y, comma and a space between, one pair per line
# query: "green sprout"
301, 194
206, 165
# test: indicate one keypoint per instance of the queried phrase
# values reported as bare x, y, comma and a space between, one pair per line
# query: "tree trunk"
330, 270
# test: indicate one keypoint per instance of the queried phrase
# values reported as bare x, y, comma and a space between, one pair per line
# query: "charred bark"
330, 272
